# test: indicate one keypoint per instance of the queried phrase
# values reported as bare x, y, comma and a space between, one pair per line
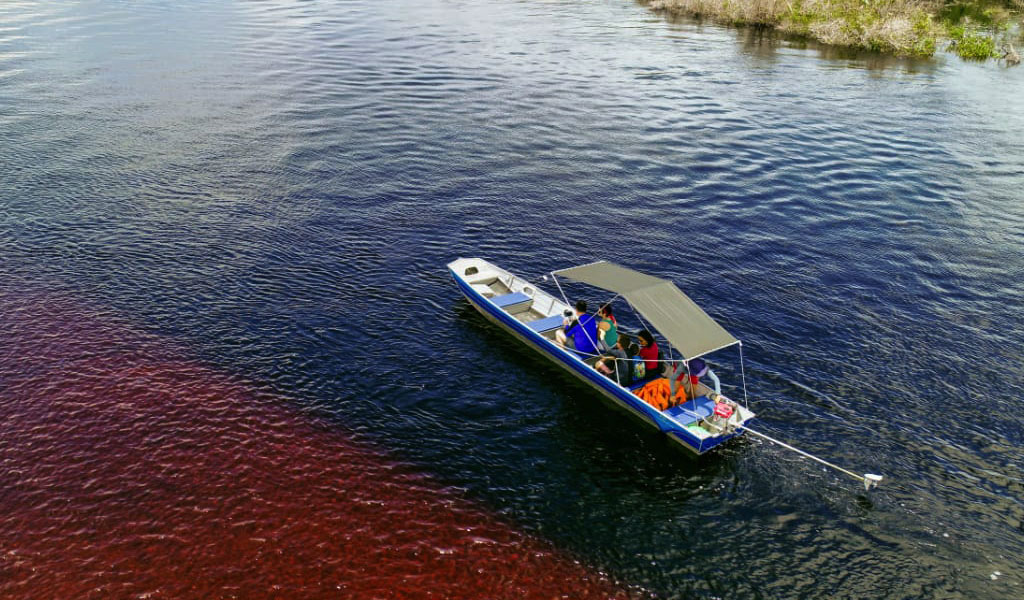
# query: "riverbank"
975, 29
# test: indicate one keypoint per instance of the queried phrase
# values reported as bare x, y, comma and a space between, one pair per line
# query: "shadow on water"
590, 463
587, 420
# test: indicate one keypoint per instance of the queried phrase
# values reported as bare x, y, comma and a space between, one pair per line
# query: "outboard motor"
721, 417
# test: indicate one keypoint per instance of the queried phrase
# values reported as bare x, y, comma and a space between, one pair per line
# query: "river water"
233, 364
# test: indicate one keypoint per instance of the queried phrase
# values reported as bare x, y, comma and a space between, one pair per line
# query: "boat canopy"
684, 324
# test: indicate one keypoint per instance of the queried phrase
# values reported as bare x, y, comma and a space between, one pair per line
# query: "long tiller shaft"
870, 480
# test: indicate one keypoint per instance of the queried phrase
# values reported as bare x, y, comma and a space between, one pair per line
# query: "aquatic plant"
971, 44
972, 28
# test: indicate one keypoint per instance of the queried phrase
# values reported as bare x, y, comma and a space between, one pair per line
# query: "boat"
698, 417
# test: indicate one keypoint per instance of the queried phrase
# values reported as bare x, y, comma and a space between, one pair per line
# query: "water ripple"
273, 189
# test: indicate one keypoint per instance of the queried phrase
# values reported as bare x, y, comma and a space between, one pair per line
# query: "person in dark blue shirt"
580, 333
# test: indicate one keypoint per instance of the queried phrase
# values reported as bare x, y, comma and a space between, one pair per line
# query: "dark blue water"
277, 187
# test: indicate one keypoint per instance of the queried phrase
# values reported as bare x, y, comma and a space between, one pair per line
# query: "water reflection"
767, 44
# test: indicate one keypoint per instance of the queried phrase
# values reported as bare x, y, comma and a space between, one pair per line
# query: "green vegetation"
973, 29
971, 44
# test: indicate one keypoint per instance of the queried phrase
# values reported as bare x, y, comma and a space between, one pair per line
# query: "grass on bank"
975, 29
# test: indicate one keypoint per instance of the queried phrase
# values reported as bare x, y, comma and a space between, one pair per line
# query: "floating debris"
1011, 56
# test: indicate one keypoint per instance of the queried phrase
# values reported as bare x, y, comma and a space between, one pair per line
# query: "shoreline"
973, 30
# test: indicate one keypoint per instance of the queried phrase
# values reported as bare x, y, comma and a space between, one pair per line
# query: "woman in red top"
649, 354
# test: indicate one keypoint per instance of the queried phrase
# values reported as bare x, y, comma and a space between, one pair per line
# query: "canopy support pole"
743, 376
608, 303
673, 378
571, 307
559, 286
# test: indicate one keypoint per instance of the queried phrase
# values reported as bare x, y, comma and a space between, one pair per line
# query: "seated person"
607, 328
649, 354
697, 368
580, 333
617, 363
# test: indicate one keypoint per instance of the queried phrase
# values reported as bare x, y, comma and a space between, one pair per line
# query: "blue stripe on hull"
585, 372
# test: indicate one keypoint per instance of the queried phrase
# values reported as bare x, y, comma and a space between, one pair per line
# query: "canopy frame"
660, 302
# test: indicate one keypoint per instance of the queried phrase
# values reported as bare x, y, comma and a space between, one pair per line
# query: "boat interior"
539, 310
543, 313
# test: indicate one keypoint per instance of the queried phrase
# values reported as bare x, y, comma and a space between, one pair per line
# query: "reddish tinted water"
129, 471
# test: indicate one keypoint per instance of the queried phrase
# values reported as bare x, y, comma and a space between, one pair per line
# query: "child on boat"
617, 363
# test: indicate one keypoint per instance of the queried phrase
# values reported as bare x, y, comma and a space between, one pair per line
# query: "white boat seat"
509, 300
